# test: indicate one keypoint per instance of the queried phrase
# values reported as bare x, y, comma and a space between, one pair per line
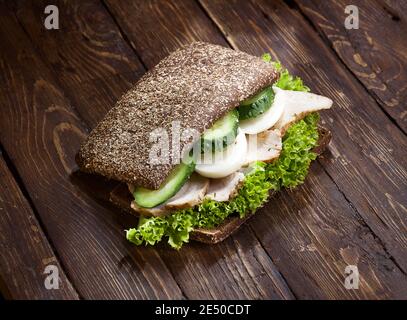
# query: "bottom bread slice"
121, 197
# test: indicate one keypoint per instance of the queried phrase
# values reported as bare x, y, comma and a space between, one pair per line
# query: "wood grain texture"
87, 53
54, 85
25, 250
209, 282
167, 25
304, 277
275, 28
237, 268
375, 53
41, 132
397, 9
317, 235
368, 162
273, 285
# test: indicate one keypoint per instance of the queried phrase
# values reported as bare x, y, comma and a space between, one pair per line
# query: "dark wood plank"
138, 19
312, 234
213, 281
87, 53
375, 53
368, 161
212, 270
237, 268
41, 132
25, 250
334, 285
260, 34
397, 9
322, 274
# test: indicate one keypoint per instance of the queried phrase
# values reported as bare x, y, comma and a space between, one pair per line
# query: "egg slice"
267, 119
224, 163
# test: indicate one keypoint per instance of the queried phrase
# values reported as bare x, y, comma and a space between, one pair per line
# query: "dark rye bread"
194, 86
121, 197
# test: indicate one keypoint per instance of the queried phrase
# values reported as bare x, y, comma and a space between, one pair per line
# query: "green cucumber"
148, 198
222, 133
256, 105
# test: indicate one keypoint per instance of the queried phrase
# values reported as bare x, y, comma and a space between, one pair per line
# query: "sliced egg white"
267, 119
224, 163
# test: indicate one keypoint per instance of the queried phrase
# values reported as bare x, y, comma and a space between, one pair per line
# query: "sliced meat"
265, 146
225, 189
151, 212
297, 104
191, 193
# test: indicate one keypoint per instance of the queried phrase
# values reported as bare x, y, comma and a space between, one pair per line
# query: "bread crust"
191, 88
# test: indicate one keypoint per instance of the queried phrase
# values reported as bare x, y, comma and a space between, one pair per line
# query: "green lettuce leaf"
286, 81
288, 171
177, 226
291, 167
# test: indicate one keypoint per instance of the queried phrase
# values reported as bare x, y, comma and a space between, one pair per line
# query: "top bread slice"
191, 88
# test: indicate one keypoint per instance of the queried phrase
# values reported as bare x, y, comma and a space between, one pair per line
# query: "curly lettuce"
286, 81
288, 171
177, 226
291, 167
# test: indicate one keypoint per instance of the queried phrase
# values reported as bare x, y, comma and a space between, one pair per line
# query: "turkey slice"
265, 146
191, 193
226, 188
151, 212
297, 104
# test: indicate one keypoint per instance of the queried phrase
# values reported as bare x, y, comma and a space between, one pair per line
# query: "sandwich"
203, 140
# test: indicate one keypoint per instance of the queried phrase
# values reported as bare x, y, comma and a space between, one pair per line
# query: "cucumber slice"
148, 198
256, 105
222, 133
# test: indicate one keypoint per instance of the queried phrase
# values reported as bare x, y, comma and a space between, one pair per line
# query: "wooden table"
55, 85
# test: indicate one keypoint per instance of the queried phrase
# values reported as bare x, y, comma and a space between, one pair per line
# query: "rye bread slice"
121, 197
191, 88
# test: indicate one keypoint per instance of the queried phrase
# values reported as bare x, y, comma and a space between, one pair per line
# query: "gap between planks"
37, 51
215, 25
20, 184
292, 4
24, 190
375, 236
134, 49
230, 43
123, 34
